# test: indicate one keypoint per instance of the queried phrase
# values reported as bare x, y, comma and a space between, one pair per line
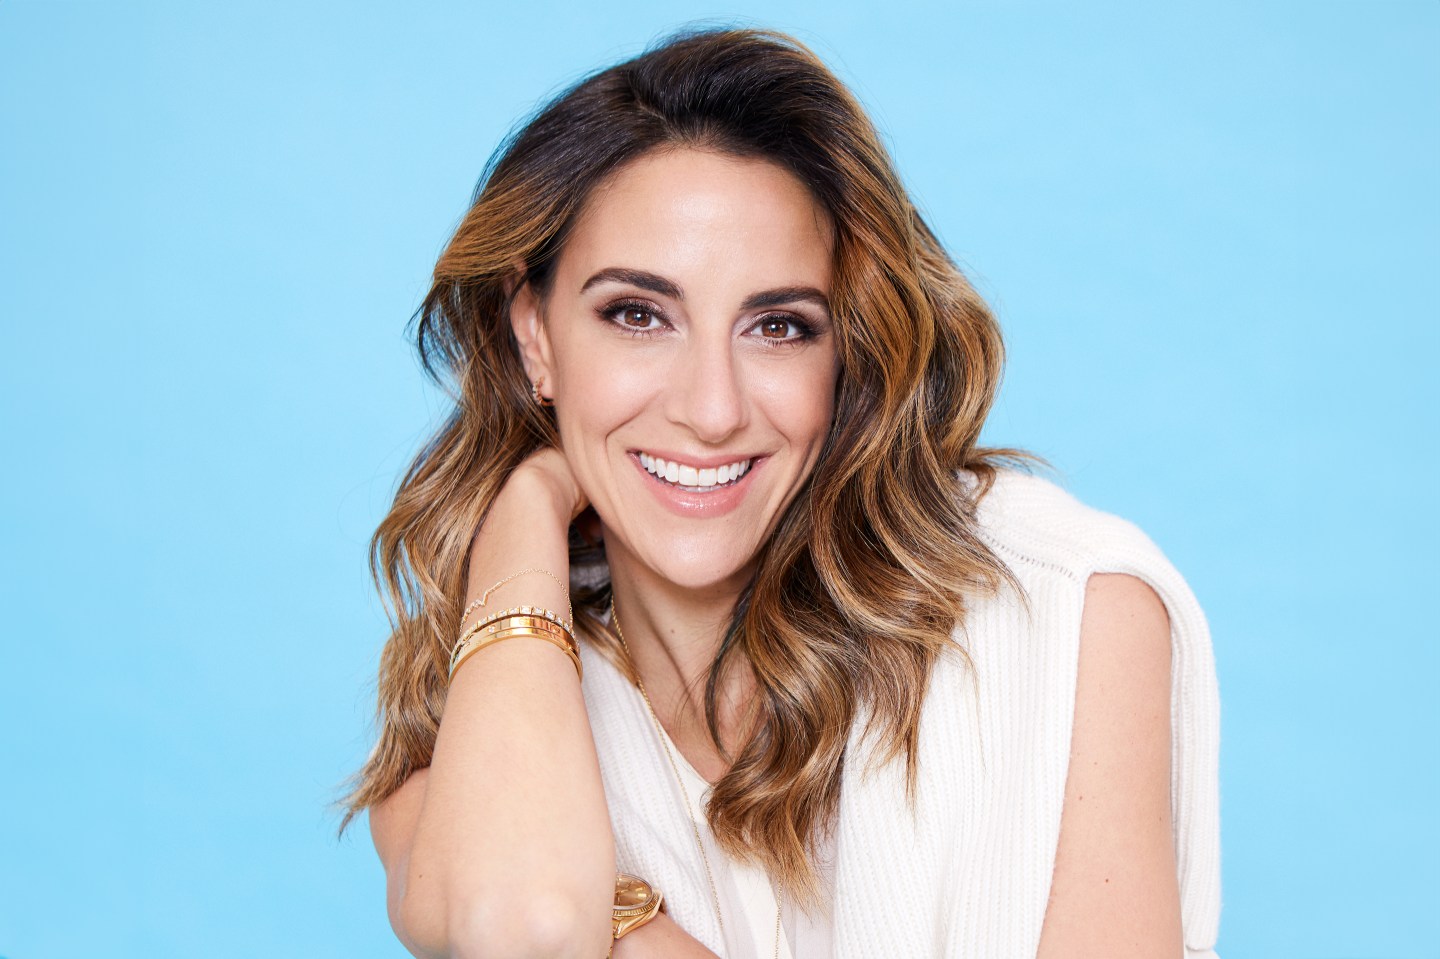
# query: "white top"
968, 875
747, 895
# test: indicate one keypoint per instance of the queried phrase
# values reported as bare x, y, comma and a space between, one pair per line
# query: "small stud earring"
535, 392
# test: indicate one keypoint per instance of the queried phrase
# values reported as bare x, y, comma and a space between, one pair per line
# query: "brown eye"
633, 316
782, 330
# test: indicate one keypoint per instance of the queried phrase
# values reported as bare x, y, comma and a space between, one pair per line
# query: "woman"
843, 683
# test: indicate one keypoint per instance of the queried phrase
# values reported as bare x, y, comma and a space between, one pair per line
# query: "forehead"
706, 217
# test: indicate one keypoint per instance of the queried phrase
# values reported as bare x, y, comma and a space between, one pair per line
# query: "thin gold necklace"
614, 618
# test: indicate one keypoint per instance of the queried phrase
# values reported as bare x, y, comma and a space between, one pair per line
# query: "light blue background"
1211, 231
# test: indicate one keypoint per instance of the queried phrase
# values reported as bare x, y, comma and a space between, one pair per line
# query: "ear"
528, 325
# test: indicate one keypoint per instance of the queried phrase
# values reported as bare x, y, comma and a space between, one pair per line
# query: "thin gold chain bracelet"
570, 610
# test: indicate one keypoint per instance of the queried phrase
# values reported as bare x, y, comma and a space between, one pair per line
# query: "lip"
699, 462
698, 505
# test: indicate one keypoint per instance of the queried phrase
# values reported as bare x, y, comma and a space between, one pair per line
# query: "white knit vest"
968, 875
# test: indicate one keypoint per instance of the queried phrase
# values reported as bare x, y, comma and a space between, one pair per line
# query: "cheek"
592, 363
597, 392
800, 399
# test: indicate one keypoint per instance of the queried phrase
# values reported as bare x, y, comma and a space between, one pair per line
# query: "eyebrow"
646, 281
660, 286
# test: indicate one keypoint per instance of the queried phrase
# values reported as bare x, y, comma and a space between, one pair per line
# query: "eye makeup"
805, 331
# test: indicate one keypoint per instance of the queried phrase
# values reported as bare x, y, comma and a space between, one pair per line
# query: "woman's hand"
550, 468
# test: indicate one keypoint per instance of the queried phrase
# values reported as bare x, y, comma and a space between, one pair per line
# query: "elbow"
542, 927
501, 927
419, 923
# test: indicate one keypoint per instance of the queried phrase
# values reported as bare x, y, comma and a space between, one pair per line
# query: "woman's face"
688, 346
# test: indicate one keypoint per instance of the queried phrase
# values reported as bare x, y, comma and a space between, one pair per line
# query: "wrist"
661, 937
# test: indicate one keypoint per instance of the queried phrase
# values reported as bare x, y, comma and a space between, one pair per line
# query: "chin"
701, 562
701, 573
697, 580
691, 554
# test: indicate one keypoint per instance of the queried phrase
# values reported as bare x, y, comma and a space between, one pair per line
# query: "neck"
673, 633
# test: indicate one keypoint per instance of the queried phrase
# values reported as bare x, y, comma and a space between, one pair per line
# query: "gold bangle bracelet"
554, 637
537, 611
490, 639
501, 624
511, 618
531, 618
569, 650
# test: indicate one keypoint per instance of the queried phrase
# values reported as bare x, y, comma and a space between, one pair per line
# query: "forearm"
512, 851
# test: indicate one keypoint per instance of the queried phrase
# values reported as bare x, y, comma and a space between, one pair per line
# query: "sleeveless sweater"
968, 872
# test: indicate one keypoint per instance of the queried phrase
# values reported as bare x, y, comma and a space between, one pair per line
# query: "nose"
706, 390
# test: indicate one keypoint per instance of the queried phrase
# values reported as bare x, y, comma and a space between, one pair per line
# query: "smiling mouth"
691, 479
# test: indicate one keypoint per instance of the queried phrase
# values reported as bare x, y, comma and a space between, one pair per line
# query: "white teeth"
691, 478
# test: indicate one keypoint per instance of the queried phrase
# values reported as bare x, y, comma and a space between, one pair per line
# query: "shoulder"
1042, 532
1032, 519
1081, 571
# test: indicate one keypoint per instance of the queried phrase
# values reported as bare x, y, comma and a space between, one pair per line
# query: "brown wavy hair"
869, 568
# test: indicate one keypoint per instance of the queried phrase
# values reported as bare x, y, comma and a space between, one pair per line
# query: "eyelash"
805, 331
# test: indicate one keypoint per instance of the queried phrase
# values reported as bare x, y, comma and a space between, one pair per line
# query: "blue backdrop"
1211, 232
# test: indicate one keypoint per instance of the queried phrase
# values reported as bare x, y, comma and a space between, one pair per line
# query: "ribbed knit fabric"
968, 874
